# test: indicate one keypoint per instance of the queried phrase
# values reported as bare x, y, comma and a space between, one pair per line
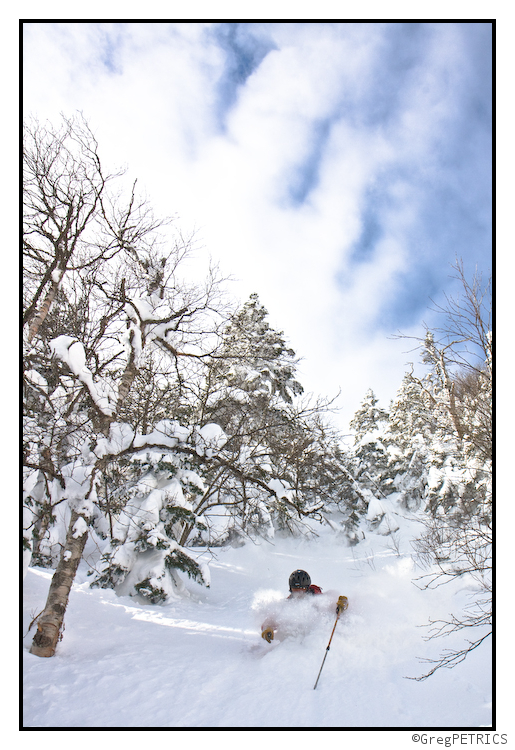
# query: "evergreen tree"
369, 418
369, 457
143, 554
408, 439
250, 391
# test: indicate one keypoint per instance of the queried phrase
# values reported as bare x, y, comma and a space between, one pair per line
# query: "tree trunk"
51, 619
126, 381
45, 307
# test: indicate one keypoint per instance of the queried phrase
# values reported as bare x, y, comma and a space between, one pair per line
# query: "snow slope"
200, 662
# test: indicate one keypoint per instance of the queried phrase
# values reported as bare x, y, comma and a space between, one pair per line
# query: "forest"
163, 419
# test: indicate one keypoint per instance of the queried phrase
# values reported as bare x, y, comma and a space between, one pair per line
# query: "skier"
300, 585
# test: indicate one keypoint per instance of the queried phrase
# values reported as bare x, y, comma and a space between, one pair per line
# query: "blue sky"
336, 169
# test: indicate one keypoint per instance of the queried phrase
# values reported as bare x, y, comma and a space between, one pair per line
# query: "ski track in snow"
201, 662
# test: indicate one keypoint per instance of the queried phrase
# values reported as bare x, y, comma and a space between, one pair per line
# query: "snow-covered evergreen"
144, 519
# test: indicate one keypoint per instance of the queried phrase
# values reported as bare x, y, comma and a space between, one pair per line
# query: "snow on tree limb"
71, 351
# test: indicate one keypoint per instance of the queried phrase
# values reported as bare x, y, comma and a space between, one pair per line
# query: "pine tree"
369, 457
250, 391
408, 439
143, 554
368, 419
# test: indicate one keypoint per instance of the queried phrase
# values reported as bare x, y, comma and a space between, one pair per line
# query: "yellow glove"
341, 604
268, 635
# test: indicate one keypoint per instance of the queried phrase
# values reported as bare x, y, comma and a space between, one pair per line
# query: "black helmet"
299, 579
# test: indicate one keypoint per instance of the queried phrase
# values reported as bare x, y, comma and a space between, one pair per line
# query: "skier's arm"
341, 604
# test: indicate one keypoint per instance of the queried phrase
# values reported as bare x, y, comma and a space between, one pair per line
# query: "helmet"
299, 579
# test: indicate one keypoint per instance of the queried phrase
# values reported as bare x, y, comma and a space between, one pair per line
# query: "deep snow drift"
200, 661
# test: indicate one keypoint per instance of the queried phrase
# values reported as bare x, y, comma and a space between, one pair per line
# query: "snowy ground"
200, 662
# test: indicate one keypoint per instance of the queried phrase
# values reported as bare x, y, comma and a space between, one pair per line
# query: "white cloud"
337, 123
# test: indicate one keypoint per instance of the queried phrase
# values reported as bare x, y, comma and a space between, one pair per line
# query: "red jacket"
311, 590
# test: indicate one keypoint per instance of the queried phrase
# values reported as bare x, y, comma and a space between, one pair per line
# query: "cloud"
337, 169
243, 53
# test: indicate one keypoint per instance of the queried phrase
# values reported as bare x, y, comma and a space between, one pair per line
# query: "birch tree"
92, 300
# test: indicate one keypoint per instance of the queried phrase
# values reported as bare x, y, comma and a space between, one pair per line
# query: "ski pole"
327, 649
